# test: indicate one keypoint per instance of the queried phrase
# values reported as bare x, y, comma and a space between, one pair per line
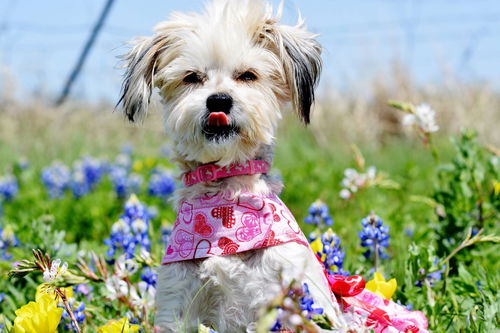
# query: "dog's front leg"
176, 309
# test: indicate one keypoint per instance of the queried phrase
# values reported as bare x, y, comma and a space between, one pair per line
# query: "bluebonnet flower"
431, 277
130, 231
295, 308
124, 161
124, 182
8, 187
127, 149
306, 304
56, 179
328, 249
22, 163
149, 276
375, 237
7, 241
87, 172
319, 215
161, 184
84, 289
79, 313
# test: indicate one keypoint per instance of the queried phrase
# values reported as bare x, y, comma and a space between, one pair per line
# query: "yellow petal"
381, 287
118, 326
42, 316
317, 245
378, 277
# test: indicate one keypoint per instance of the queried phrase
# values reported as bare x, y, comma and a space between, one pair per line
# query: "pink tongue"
218, 119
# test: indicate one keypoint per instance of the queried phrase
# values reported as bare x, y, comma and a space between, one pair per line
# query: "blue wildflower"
375, 237
306, 303
79, 313
130, 232
8, 187
124, 161
87, 173
149, 276
127, 149
7, 240
319, 215
83, 289
431, 277
124, 182
327, 248
22, 163
56, 179
161, 184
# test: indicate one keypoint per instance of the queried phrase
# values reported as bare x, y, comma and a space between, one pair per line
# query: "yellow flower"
45, 289
41, 316
137, 166
118, 326
496, 187
317, 246
381, 287
150, 162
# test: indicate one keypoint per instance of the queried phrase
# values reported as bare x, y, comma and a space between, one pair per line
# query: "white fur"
229, 38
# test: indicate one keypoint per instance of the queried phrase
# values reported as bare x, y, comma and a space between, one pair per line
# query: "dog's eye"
192, 77
247, 76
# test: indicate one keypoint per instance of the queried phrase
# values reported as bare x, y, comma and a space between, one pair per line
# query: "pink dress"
220, 225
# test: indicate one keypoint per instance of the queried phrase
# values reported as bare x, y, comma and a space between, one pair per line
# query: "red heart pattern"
227, 246
226, 214
201, 226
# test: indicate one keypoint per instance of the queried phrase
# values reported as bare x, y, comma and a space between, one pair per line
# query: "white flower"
125, 267
116, 288
295, 320
55, 271
345, 194
371, 172
145, 298
424, 117
288, 302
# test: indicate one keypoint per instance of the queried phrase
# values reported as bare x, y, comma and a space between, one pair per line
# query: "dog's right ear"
141, 64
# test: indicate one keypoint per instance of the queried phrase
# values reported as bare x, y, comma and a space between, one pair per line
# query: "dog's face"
224, 76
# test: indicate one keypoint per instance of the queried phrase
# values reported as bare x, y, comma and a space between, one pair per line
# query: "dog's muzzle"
217, 124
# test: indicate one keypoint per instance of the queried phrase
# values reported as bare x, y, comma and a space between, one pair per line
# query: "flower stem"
68, 309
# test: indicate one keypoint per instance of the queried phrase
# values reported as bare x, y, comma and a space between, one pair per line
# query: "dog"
224, 76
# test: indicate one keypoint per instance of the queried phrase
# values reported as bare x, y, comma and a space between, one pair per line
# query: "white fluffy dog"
224, 76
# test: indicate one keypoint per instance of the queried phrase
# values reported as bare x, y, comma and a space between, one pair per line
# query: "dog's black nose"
219, 103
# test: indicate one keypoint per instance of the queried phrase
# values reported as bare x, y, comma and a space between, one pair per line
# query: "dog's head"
224, 76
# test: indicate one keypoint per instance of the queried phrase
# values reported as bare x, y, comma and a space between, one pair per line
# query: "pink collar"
211, 172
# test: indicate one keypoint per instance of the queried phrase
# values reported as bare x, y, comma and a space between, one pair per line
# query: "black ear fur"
300, 54
306, 69
137, 86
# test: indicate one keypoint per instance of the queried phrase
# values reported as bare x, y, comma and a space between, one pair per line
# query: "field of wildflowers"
418, 218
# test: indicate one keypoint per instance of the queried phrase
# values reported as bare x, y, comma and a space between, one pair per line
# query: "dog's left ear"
141, 65
300, 55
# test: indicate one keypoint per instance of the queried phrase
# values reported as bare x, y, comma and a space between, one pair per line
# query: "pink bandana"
218, 225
